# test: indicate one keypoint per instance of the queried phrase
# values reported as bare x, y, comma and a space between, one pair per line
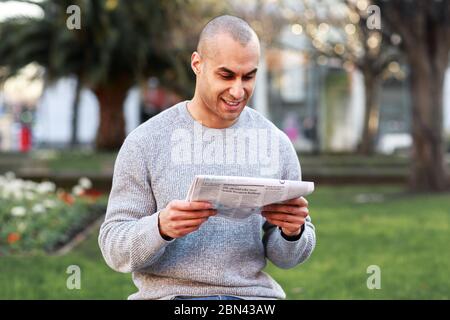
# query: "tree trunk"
75, 111
425, 32
111, 131
371, 113
427, 78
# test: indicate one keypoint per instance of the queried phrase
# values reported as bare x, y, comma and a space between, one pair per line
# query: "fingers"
188, 215
180, 217
288, 206
176, 228
190, 223
183, 227
302, 202
286, 224
189, 205
178, 233
289, 215
185, 210
286, 210
285, 218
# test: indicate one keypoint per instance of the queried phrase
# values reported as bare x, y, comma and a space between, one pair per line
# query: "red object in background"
13, 237
66, 197
25, 139
91, 195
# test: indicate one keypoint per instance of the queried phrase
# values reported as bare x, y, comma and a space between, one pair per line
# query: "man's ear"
195, 62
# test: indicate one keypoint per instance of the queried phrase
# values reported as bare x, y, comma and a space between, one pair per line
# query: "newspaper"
240, 197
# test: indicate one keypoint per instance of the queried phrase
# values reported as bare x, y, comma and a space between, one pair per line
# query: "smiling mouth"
232, 104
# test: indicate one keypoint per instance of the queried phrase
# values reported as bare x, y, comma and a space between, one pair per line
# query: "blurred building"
51, 125
320, 105
317, 103
18, 100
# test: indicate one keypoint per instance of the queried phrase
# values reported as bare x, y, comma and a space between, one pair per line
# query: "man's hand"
181, 217
290, 215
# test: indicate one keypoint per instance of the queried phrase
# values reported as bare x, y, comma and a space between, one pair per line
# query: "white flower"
29, 195
10, 175
38, 208
48, 203
15, 185
85, 183
30, 185
18, 195
77, 190
18, 211
46, 187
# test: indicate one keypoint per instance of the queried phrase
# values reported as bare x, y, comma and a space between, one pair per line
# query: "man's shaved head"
225, 66
235, 27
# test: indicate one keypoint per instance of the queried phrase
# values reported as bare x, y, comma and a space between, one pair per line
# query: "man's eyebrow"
223, 69
252, 72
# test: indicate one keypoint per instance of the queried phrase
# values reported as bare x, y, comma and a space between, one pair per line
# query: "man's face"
226, 74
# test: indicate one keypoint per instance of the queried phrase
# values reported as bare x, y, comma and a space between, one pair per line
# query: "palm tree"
119, 44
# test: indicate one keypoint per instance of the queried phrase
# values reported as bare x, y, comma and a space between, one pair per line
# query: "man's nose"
237, 90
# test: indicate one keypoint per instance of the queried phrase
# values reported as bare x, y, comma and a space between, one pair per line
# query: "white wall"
447, 102
348, 128
53, 116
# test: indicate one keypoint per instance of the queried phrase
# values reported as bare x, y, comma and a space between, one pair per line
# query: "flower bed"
38, 217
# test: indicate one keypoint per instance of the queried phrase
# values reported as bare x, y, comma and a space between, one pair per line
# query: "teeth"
232, 103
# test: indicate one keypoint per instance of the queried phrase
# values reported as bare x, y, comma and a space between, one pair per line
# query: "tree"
265, 16
425, 31
340, 31
75, 112
118, 44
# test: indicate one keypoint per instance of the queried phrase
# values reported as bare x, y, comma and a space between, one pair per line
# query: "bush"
38, 217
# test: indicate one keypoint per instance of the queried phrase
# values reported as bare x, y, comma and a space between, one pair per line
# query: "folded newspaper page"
240, 197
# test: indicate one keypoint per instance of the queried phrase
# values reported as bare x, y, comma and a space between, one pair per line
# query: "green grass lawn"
406, 236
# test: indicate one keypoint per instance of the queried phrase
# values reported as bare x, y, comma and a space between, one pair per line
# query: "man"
186, 250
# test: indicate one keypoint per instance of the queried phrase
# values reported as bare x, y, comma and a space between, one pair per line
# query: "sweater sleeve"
282, 252
129, 237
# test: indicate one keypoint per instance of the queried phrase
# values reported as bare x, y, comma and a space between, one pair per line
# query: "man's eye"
227, 77
249, 78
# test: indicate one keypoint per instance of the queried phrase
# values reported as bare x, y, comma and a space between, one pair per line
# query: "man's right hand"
181, 217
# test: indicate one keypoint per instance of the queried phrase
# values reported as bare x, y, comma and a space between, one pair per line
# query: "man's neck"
196, 109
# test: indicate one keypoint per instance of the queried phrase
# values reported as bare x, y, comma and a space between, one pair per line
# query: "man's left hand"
289, 215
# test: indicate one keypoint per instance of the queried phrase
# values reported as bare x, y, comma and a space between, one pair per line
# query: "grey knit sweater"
155, 165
